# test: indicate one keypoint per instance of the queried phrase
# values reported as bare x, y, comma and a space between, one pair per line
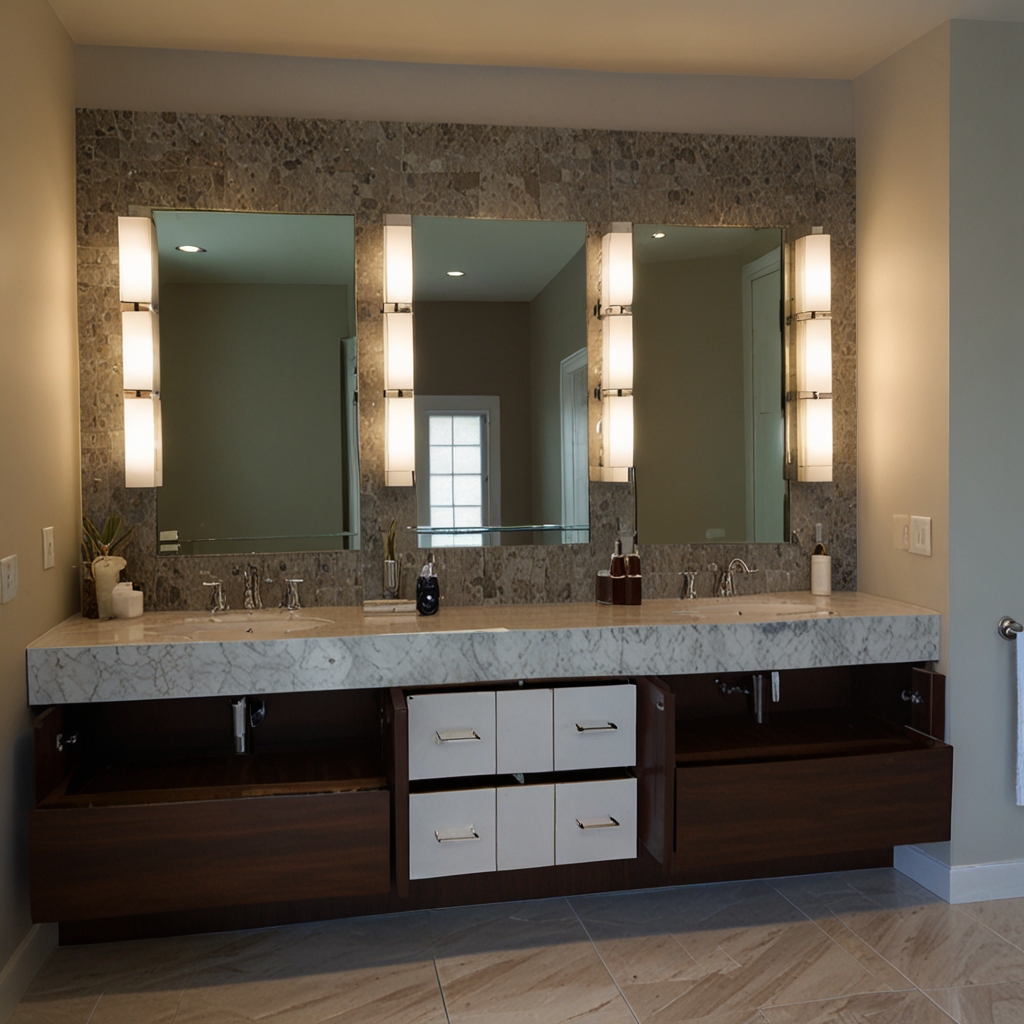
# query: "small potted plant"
101, 564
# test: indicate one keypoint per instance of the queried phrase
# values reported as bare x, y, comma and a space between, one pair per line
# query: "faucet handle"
690, 593
291, 595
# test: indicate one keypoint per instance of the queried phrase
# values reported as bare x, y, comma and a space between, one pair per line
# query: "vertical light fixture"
616, 312
399, 403
812, 256
140, 352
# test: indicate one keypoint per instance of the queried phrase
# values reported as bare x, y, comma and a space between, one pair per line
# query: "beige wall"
128, 78
902, 111
39, 389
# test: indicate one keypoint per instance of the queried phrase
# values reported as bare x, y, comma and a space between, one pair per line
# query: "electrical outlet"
920, 535
47, 547
8, 578
901, 532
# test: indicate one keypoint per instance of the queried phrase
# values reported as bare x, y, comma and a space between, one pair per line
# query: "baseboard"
962, 883
24, 965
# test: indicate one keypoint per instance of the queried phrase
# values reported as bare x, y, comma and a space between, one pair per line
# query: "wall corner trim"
963, 883
25, 963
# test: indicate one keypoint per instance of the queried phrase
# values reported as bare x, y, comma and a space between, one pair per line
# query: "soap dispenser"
618, 574
428, 589
634, 578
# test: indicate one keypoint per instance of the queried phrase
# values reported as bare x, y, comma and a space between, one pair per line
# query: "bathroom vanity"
483, 754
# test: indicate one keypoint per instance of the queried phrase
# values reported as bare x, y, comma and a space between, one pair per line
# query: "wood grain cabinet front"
98, 862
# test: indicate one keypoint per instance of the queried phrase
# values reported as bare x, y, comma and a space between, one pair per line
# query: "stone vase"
106, 571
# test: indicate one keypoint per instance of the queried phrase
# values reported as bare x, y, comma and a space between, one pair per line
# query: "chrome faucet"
218, 603
251, 580
690, 590
291, 595
726, 585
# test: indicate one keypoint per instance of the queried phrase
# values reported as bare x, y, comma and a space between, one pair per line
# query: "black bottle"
428, 590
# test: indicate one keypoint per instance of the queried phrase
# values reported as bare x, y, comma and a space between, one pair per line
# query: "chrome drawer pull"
454, 735
606, 822
595, 726
456, 835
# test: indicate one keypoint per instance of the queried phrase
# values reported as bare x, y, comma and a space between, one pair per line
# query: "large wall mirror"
258, 368
500, 329
709, 391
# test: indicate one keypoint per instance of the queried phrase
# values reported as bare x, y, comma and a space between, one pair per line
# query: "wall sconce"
399, 403
616, 392
812, 257
140, 352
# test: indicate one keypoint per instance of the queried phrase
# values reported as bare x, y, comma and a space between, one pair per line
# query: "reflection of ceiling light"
456, 273
190, 248
658, 234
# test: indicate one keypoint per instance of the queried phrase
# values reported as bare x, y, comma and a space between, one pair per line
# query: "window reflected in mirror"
258, 360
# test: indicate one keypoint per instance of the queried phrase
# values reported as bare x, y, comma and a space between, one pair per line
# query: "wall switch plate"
47, 547
901, 532
920, 535
8, 578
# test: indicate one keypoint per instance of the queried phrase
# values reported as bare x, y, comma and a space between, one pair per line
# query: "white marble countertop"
196, 654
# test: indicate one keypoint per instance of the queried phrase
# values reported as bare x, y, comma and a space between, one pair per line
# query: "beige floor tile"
879, 1008
937, 946
982, 1004
54, 1010
875, 964
136, 1008
645, 959
1005, 917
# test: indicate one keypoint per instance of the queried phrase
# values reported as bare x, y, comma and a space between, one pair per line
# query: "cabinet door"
595, 727
451, 833
595, 821
526, 827
524, 731
450, 734
656, 767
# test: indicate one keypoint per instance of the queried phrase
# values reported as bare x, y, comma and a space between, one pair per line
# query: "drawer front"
451, 833
97, 862
595, 821
747, 813
526, 827
595, 727
525, 723
451, 734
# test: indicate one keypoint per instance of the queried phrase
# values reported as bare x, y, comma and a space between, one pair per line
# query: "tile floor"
865, 947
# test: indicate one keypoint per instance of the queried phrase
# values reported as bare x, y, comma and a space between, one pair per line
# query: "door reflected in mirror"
258, 365
500, 329
709, 390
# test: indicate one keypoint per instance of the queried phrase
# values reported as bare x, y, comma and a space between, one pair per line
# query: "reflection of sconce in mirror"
616, 312
399, 418
140, 352
813, 316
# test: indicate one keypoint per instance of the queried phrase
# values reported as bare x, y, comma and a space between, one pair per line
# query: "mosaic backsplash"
366, 169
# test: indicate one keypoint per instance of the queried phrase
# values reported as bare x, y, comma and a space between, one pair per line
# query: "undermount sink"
255, 624
753, 607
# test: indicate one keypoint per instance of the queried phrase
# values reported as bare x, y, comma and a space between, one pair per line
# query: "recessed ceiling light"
456, 273
658, 234
190, 248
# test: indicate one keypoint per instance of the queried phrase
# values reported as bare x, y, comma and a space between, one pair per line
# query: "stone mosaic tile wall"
366, 169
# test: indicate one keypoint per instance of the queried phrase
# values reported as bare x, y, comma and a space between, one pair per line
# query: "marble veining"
134, 161
163, 655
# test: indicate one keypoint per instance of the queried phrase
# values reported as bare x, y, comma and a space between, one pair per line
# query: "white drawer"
595, 821
526, 827
450, 734
451, 833
524, 731
595, 727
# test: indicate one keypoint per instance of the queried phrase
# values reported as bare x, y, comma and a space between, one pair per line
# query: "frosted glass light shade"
617, 352
398, 352
140, 350
137, 259
814, 444
143, 443
617, 265
399, 441
398, 258
617, 430
812, 256
814, 355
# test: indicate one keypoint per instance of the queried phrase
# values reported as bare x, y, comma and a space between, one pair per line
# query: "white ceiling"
785, 38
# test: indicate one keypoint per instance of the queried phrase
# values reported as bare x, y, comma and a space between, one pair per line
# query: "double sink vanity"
486, 753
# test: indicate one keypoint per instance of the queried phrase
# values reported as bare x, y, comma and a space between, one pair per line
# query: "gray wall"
254, 430
986, 428
39, 438
558, 327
